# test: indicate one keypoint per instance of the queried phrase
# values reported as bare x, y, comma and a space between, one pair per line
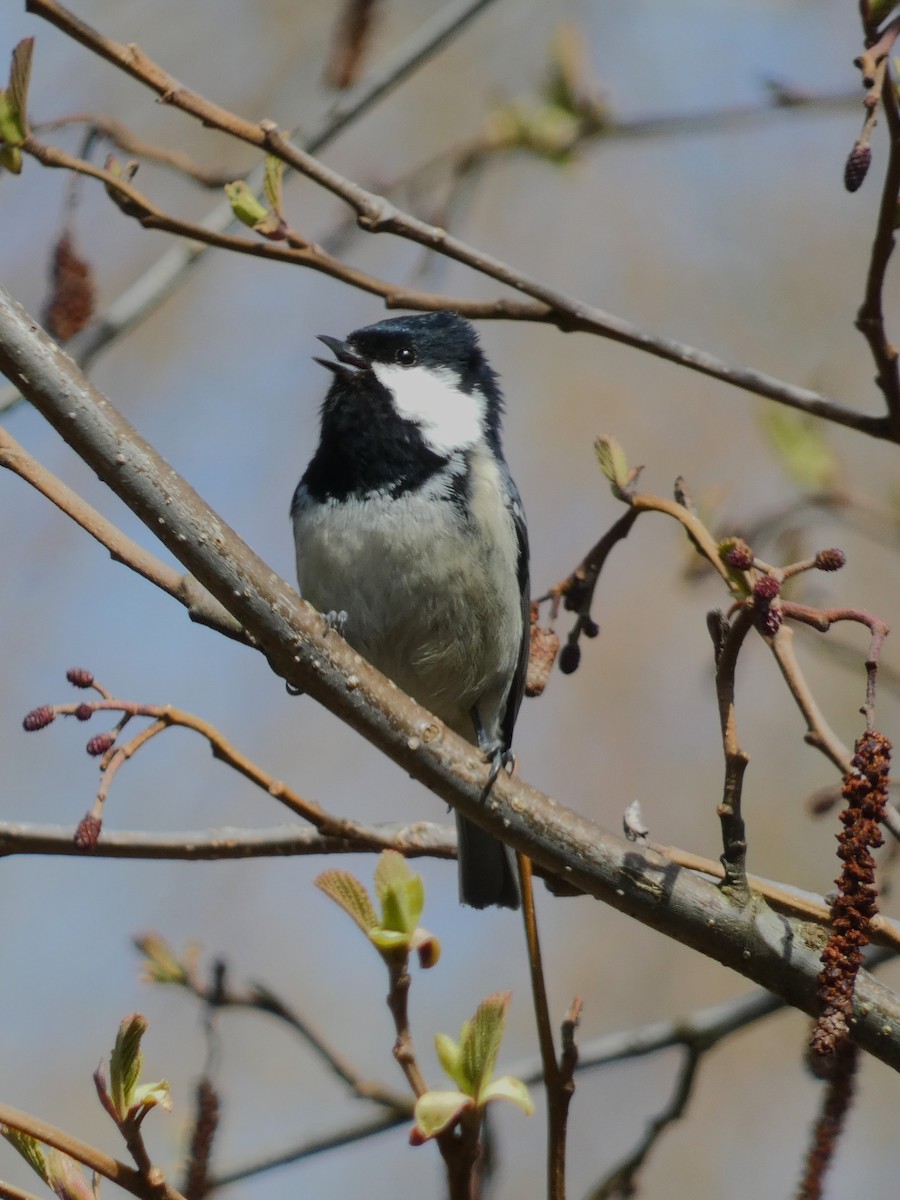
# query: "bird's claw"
500, 759
335, 620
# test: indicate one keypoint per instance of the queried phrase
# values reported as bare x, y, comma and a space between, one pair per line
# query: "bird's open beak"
348, 363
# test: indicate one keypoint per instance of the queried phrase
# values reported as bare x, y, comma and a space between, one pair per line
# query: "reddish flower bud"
100, 743
84, 712
38, 718
766, 589
79, 677
857, 166
739, 555
830, 560
569, 658
770, 619
88, 832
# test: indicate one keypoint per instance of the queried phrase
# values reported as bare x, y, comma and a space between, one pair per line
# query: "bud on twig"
80, 677
830, 560
569, 658
739, 555
38, 718
100, 743
769, 615
857, 166
88, 832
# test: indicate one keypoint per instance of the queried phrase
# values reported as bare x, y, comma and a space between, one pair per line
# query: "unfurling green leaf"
388, 939
451, 1059
801, 447
152, 1095
480, 1040
346, 890
508, 1088
250, 210
161, 964
401, 893
274, 175
14, 107
126, 1063
470, 1063
244, 204
437, 1111
30, 1149
614, 465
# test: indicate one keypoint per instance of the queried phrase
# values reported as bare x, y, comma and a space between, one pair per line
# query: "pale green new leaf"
272, 182
388, 939
450, 1057
481, 1037
244, 204
161, 964
30, 1149
345, 890
19, 79
400, 891
613, 463
437, 1111
126, 1063
508, 1088
13, 107
153, 1095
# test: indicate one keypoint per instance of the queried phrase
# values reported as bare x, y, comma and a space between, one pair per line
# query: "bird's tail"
487, 873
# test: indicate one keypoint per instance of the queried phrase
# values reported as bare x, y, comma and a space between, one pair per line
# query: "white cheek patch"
449, 418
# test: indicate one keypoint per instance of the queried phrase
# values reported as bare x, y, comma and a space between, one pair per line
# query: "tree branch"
377, 215
777, 952
201, 607
89, 1156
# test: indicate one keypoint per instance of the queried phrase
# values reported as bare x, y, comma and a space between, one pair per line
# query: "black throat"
365, 446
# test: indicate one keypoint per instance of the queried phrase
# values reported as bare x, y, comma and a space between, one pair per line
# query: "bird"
410, 537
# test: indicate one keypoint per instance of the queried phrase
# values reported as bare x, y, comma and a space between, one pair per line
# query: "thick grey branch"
777, 952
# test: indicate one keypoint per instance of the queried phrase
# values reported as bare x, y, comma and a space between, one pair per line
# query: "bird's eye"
405, 356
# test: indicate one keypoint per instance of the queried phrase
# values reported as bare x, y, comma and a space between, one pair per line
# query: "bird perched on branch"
410, 534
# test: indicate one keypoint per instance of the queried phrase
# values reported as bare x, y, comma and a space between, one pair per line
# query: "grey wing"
517, 687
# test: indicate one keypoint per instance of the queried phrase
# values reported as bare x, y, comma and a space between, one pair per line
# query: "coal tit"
408, 525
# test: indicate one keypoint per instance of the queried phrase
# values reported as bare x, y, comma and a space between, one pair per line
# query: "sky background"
741, 241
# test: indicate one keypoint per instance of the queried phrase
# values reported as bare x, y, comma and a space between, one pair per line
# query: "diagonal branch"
200, 605
775, 951
152, 1188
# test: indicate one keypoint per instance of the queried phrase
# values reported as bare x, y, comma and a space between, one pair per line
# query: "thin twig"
818, 732
260, 999
870, 319
214, 845
557, 1105
734, 838
129, 142
201, 606
346, 1136
620, 1183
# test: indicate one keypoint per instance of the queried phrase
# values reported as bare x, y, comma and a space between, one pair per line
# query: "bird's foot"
335, 620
